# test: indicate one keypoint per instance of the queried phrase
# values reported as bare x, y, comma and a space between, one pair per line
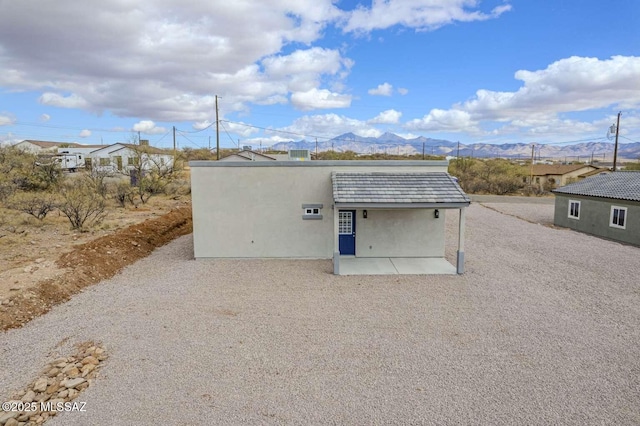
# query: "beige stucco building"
323, 209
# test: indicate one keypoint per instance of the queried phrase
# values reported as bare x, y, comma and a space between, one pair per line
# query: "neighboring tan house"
42, 147
122, 157
604, 205
556, 175
598, 171
247, 155
312, 209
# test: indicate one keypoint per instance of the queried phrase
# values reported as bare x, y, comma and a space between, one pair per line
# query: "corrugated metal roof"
396, 188
618, 185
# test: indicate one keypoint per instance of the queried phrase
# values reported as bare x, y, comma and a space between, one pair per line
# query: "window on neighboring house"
537, 180
311, 211
105, 162
130, 161
618, 217
574, 209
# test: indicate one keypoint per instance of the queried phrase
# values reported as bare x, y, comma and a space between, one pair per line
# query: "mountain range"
393, 144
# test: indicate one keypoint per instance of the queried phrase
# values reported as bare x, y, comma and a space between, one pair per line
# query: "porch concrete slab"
423, 265
395, 266
366, 266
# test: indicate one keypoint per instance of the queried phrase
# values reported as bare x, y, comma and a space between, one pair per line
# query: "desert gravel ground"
544, 328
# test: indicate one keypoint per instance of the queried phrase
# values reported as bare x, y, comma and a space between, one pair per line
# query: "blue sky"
548, 71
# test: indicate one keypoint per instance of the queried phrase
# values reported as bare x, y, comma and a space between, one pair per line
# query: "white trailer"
66, 161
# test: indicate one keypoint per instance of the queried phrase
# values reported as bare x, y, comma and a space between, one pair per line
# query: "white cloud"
240, 129
403, 91
319, 99
444, 121
201, 125
384, 89
45, 117
58, 100
85, 133
390, 116
6, 120
162, 58
418, 14
330, 125
571, 84
148, 127
568, 85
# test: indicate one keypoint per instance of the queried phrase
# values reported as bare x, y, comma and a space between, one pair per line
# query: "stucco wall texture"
255, 211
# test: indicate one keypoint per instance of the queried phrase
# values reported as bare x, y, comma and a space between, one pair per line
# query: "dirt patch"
92, 262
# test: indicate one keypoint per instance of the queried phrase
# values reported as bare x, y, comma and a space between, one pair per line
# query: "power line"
225, 130
192, 142
196, 131
624, 137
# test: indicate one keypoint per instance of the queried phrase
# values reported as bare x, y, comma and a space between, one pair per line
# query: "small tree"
95, 178
37, 205
19, 170
81, 204
123, 193
152, 172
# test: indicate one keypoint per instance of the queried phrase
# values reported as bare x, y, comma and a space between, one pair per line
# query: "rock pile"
60, 382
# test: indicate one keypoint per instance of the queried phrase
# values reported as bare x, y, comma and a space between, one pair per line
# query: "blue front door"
347, 231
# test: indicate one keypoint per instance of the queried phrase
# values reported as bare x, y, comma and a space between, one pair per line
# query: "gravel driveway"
544, 328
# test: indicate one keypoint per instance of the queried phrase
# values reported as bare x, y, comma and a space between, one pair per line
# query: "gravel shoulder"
544, 328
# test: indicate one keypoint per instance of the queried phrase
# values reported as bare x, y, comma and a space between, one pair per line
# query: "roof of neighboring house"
396, 188
597, 171
557, 169
246, 154
618, 185
48, 144
144, 148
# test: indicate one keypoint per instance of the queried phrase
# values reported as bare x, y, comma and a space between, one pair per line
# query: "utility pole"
615, 150
423, 150
174, 144
138, 137
217, 132
458, 154
316, 148
533, 147
209, 143
592, 152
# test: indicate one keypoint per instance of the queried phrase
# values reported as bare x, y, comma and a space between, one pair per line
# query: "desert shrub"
188, 154
632, 166
35, 204
96, 179
152, 173
177, 188
494, 176
124, 192
81, 204
21, 170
